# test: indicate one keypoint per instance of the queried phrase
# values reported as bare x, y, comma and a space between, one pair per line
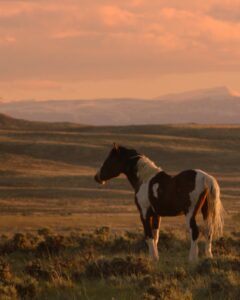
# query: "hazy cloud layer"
53, 43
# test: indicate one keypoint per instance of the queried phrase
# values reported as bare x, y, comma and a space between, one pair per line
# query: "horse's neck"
141, 171
133, 181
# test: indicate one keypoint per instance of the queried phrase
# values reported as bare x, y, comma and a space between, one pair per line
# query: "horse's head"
112, 166
115, 164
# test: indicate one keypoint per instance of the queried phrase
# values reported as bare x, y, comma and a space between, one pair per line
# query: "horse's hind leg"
194, 234
208, 231
192, 225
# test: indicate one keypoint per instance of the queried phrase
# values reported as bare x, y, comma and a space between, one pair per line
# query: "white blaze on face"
99, 179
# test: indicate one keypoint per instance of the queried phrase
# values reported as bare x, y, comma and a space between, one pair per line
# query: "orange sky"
52, 49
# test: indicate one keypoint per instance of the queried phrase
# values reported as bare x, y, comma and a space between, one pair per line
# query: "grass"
65, 237
47, 172
105, 265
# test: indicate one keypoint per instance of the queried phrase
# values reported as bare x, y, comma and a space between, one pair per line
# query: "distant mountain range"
7, 122
210, 106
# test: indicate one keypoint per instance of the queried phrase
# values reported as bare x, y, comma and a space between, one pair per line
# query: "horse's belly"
167, 212
173, 205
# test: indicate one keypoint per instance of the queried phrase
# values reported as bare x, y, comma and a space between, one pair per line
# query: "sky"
80, 49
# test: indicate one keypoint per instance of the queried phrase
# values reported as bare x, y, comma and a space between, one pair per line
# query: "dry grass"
46, 174
105, 265
46, 180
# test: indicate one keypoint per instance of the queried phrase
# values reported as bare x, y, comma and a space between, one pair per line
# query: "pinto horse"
158, 194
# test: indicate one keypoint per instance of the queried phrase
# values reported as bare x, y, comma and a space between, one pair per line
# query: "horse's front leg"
156, 221
150, 239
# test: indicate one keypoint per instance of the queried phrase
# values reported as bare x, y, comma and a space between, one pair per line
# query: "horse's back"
170, 186
185, 181
169, 195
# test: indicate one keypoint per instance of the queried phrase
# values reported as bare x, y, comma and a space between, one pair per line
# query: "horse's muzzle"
98, 180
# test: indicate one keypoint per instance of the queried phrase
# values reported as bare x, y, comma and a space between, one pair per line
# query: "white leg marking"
193, 255
208, 242
153, 252
156, 238
194, 197
156, 232
156, 235
208, 249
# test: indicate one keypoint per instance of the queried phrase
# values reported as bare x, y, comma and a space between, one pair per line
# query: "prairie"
65, 237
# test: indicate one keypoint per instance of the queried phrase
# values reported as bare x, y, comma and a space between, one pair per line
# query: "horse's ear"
115, 146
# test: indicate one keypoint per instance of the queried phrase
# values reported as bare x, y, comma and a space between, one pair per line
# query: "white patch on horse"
193, 254
146, 169
98, 176
153, 252
143, 199
155, 190
194, 197
208, 243
156, 235
199, 187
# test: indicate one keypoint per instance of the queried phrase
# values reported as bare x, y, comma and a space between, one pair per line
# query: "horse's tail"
215, 216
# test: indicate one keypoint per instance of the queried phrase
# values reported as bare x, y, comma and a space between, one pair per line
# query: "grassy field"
65, 237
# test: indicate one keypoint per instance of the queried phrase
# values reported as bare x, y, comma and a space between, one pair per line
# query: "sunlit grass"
46, 180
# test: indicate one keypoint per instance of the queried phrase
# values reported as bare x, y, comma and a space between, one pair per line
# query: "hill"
211, 106
62, 236
7, 122
49, 168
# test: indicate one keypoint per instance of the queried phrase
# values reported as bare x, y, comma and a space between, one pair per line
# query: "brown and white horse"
158, 194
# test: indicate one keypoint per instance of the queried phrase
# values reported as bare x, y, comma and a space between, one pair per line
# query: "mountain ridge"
207, 106
8, 122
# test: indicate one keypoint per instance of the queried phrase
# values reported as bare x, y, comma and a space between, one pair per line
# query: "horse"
158, 194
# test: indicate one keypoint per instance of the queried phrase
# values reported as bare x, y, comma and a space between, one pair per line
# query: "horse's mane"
146, 168
128, 152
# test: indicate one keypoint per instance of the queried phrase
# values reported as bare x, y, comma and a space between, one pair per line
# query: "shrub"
226, 245
8, 292
19, 242
225, 264
104, 230
37, 270
27, 289
54, 245
118, 267
44, 232
167, 290
221, 286
5, 272
124, 243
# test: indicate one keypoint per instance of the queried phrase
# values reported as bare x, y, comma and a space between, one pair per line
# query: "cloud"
68, 34
226, 12
32, 84
72, 40
113, 15
7, 40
